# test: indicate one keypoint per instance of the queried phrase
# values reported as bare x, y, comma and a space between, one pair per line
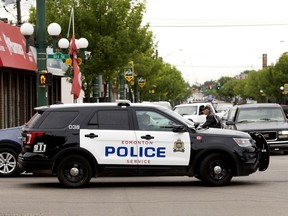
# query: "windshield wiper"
268, 119
244, 121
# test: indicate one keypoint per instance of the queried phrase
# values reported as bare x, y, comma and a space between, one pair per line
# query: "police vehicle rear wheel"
216, 170
8, 163
74, 171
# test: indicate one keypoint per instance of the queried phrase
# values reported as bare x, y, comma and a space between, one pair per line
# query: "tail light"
31, 136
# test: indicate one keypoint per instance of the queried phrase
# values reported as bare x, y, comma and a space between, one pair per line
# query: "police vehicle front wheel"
74, 171
216, 170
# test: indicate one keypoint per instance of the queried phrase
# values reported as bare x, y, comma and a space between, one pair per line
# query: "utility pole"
42, 93
18, 5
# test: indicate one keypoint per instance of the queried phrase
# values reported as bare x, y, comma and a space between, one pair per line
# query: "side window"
201, 109
153, 121
231, 114
110, 119
58, 120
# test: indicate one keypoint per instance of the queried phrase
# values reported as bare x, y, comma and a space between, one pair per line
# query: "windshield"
261, 114
186, 110
179, 117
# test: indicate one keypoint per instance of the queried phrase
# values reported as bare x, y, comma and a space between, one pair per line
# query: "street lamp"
262, 95
282, 92
40, 35
54, 30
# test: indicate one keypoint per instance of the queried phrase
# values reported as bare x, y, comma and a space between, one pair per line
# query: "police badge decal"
178, 146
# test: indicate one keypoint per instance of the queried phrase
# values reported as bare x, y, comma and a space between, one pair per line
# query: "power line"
190, 23
250, 67
217, 25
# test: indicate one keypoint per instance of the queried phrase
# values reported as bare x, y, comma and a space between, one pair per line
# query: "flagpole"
71, 21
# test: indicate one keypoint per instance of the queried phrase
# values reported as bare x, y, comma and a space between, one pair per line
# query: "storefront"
18, 79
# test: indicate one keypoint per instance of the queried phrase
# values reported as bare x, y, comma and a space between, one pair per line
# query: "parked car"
265, 118
161, 103
222, 108
74, 142
10, 148
193, 111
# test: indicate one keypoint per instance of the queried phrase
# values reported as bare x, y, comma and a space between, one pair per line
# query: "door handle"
91, 135
147, 137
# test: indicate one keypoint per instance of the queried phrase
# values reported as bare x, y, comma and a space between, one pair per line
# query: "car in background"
266, 118
161, 103
10, 148
193, 111
222, 108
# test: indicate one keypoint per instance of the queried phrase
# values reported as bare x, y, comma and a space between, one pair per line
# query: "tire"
216, 170
74, 171
8, 163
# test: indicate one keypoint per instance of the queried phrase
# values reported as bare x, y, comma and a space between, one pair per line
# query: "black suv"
79, 141
265, 118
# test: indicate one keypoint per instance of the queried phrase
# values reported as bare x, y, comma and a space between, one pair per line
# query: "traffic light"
46, 79
219, 86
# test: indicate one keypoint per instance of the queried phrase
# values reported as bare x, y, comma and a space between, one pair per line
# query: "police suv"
80, 141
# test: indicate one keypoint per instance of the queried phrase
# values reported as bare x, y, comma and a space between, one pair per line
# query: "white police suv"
80, 141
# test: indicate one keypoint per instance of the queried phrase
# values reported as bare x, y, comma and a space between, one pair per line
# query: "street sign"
46, 79
141, 82
285, 89
58, 56
129, 71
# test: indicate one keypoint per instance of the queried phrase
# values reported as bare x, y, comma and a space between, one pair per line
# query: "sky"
209, 39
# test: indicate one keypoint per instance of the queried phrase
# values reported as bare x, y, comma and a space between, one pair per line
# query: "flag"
77, 78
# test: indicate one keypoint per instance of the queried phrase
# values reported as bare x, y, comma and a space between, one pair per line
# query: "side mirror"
196, 124
178, 128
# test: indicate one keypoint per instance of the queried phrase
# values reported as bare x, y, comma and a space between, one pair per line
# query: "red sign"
13, 49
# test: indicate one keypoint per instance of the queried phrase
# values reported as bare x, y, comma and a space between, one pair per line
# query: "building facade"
18, 74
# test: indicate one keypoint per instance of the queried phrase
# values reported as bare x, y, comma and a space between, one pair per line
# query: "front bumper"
264, 150
278, 145
248, 163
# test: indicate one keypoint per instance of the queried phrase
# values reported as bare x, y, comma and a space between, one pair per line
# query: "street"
262, 193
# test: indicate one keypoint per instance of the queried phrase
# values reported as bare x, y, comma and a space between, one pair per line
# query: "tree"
113, 29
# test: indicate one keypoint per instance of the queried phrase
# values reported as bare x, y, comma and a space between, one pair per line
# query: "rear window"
58, 119
33, 120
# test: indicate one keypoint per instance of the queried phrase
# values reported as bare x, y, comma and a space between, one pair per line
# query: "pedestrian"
211, 119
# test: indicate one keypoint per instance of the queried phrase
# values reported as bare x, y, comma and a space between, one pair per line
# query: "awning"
13, 49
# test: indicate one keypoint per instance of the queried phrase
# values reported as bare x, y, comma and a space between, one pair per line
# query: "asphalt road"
262, 193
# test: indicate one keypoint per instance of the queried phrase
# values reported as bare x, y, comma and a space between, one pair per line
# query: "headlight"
283, 134
243, 142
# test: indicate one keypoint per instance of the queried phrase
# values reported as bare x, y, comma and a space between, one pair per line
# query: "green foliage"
116, 36
261, 85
